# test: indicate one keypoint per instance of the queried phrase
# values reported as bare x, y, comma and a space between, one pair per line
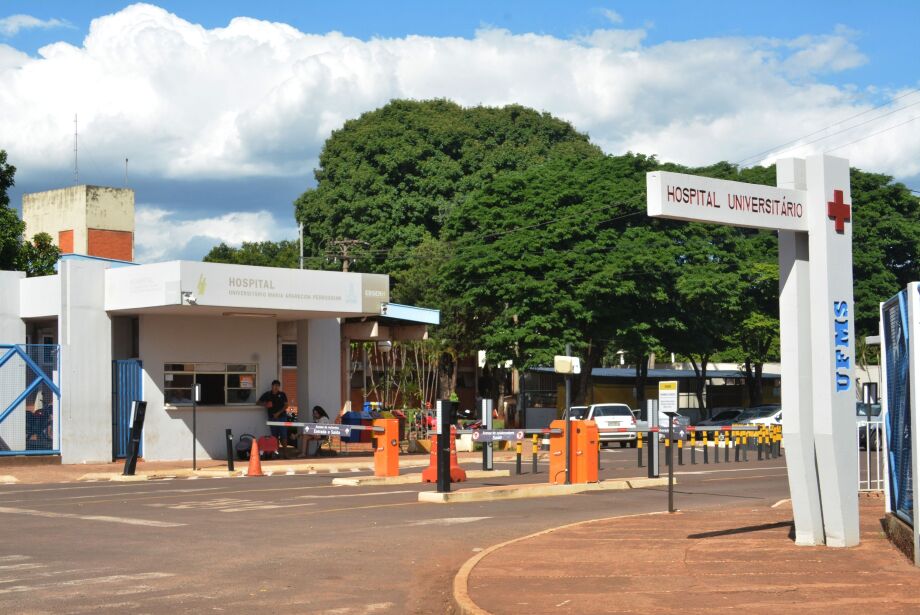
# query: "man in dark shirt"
275, 403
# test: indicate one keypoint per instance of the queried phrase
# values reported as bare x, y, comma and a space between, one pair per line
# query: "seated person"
310, 444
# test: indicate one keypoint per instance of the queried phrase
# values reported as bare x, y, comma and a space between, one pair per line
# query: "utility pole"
76, 174
300, 227
344, 250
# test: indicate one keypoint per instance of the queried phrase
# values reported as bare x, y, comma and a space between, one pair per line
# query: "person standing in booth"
275, 403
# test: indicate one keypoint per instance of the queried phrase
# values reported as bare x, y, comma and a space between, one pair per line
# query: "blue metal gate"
126, 388
30, 397
897, 361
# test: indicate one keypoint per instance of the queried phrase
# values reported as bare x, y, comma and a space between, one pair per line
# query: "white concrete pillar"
86, 364
830, 229
323, 359
303, 383
795, 352
13, 374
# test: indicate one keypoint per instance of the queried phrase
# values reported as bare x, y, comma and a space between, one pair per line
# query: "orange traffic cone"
255, 463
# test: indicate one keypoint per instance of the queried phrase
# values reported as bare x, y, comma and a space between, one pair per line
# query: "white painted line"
90, 581
22, 566
356, 469
446, 521
264, 507
780, 503
312, 472
59, 515
353, 495
13, 558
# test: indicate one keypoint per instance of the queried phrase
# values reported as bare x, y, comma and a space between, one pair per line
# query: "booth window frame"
189, 371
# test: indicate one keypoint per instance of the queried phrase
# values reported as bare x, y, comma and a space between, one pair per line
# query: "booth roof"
661, 374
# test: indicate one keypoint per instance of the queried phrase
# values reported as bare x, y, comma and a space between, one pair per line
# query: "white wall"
169, 339
86, 364
40, 297
13, 374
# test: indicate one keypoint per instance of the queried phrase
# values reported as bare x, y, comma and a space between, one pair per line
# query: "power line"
837, 123
873, 134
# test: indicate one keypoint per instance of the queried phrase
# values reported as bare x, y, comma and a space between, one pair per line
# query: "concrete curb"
515, 492
405, 479
6, 479
461, 593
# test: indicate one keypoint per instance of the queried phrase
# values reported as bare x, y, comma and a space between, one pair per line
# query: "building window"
222, 384
288, 355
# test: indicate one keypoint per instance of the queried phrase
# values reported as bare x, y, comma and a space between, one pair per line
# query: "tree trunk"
641, 377
592, 360
700, 370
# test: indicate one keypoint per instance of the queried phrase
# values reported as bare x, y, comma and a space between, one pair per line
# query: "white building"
230, 329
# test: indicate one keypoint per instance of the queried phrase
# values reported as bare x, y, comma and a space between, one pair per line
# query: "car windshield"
726, 415
873, 409
612, 411
578, 412
757, 413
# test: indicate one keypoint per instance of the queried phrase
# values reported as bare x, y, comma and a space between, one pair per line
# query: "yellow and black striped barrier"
535, 451
639, 446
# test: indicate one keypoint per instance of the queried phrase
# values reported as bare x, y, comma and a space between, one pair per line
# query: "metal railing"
871, 466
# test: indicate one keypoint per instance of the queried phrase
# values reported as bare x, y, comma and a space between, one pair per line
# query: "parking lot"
295, 543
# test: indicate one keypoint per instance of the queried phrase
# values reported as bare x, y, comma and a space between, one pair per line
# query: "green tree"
392, 176
282, 253
11, 227
38, 257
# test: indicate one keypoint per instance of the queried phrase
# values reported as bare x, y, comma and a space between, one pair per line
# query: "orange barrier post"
255, 463
386, 453
457, 474
557, 454
584, 452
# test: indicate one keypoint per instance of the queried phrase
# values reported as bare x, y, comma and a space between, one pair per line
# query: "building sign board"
667, 396
811, 210
702, 199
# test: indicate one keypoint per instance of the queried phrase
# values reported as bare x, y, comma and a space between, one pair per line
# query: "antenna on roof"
126, 172
76, 174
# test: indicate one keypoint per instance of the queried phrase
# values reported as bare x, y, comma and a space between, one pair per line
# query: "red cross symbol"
838, 210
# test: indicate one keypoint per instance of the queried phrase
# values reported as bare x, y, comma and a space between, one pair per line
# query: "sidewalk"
702, 561
50, 470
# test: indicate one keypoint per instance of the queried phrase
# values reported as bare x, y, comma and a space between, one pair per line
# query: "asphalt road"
296, 544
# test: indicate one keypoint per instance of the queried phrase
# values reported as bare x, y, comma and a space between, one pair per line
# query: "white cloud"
12, 25
161, 234
612, 16
257, 99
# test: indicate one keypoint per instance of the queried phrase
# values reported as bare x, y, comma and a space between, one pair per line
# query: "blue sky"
215, 160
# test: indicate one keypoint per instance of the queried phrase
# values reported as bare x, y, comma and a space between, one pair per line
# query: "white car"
612, 420
761, 415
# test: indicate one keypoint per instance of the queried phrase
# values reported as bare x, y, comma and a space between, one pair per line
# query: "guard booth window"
222, 384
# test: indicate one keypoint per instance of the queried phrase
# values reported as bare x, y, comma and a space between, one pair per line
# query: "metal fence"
897, 390
30, 399
871, 455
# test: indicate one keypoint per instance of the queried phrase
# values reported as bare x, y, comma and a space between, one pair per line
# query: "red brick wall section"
289, 384
111, 244
65, 242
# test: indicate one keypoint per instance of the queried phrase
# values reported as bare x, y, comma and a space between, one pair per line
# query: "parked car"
578, 413
761, 415
870, 435
680, 423
723, 417
613, 416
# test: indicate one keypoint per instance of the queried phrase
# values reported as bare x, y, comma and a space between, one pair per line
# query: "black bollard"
229, 450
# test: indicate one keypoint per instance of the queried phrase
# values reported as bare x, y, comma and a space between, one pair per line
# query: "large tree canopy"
393, 176
528, 237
